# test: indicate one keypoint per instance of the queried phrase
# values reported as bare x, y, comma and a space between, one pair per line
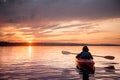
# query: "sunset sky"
76, 21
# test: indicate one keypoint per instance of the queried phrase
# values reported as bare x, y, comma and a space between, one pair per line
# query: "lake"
48, 63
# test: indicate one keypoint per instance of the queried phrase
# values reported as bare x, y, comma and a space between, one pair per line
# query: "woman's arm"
91, 55
78, 56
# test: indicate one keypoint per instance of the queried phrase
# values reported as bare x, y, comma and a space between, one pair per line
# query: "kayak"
85, 65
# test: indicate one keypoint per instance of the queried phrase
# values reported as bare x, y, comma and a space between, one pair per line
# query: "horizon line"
4, 43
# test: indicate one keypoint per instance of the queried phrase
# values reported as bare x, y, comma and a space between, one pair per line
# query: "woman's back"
84, 55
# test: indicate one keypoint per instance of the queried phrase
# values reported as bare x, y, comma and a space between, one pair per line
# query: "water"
48, 63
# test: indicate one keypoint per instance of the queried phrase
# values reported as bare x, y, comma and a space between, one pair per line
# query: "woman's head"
85, 48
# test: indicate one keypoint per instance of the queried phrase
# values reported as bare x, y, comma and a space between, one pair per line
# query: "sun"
30, 41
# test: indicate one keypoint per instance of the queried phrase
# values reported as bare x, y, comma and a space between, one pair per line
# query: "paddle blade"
109, 57
66, 52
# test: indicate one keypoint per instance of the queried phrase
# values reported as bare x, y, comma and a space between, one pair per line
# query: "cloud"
95, 31
21, 11
53, 30
49, 26
67, 26
10, 34
1, 34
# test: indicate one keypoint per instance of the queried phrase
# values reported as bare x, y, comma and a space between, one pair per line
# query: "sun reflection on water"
29, 51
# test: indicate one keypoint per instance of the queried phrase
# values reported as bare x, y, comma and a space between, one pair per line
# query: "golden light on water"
29, 51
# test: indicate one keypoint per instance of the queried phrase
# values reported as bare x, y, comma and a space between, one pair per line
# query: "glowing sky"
77, 21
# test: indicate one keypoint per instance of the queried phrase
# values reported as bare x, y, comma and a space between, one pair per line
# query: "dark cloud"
46, 32
45, 35
67, 26
1, 34
49, 26
95, 31
13, 11
88, 26
10, 34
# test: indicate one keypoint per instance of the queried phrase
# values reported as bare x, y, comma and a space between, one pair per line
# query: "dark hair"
85, 48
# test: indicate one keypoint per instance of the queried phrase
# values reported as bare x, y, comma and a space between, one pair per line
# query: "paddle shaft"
97, 56
107, 57
93, 55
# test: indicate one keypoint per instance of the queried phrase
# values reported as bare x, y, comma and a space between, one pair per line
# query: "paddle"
106, 57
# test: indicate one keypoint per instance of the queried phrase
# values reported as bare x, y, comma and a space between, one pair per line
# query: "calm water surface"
48, 63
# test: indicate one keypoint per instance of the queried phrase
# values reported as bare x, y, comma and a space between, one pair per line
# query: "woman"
85, 54
85, 63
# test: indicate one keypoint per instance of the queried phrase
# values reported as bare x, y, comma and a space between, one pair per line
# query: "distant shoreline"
52, 44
